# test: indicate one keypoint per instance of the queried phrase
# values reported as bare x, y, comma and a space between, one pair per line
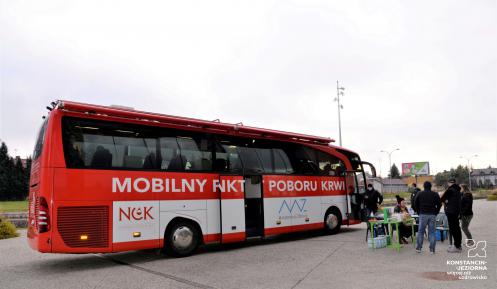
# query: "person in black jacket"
467, 213
452, 199
372, 198
427, 203
415, 191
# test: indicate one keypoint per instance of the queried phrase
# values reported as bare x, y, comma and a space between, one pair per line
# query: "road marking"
317, 265
160, 274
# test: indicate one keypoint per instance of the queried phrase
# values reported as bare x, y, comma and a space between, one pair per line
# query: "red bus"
109, 179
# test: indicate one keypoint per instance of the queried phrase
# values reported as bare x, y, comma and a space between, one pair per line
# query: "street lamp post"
469, 170
337, 99
390, 162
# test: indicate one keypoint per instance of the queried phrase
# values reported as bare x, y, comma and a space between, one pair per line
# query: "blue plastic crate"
439, 235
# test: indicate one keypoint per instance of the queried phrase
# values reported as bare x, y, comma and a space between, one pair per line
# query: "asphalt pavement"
304, 260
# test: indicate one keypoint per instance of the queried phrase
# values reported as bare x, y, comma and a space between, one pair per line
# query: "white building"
388, 185
484, 177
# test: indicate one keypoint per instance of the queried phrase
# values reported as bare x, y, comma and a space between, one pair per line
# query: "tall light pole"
469, 170
390, 162
340, 107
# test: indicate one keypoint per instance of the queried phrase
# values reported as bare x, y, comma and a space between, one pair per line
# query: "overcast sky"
418, 75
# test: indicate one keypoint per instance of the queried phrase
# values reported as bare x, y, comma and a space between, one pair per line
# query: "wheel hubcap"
331, 221
182, 237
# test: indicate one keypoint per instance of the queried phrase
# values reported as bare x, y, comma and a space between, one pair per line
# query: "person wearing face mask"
372, 199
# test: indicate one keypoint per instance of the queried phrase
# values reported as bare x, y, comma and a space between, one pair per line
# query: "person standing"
372, 199
467, 213
428, 205
452, 199
415, 191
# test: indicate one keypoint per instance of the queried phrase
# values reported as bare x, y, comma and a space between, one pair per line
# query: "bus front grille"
84, 226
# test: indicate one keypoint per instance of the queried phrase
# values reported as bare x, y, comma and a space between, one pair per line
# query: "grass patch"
405, 195
13, 206
390, 200
492, 196
484, 194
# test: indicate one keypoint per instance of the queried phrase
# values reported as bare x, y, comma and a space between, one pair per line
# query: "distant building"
484, 177
388, 185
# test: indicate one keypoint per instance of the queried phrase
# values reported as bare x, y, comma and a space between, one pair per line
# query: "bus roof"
214, 126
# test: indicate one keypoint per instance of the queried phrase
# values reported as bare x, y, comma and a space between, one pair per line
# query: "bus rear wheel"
332, 221
181, 240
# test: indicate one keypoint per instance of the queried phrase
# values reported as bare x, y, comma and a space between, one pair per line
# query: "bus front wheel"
182, 239
332, 220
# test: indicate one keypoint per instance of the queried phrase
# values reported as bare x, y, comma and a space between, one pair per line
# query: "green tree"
394, 172
442, 178
14, 178
20, 187
6, 170
460, 174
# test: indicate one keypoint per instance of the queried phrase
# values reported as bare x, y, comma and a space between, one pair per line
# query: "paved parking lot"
297, 261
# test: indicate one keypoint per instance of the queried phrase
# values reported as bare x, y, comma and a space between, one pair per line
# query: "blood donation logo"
293, 205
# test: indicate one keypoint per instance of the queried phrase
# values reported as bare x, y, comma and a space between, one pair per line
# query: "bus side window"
328, 165
250, 160
227, 157
169, 151
306, 160
282, 164
100, 151
196, 152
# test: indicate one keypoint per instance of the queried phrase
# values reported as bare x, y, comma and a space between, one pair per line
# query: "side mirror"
370, 165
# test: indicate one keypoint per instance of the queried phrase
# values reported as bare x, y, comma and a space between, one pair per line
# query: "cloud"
420, 76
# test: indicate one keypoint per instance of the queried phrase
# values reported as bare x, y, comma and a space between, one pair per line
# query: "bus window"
196, 153
135, 152
250, 160
329, 165
282, 163
40, 140
354, 159
90, 144
227, 157
169, 153
306, 161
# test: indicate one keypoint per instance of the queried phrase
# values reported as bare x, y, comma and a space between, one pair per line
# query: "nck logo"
479, 249
291, 205
135, 214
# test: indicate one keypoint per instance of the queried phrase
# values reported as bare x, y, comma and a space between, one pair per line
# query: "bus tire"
332, 220
181, 239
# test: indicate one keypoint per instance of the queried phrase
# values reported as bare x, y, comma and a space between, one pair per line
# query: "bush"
492, 197
7, 229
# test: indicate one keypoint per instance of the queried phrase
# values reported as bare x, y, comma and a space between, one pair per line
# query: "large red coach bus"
108, 179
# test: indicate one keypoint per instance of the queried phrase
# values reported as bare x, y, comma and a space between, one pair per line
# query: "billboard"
418, 168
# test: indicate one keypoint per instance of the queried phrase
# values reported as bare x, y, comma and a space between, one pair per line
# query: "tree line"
14, 177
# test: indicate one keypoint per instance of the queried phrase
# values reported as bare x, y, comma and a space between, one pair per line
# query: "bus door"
232, 208
355, 194
254, 215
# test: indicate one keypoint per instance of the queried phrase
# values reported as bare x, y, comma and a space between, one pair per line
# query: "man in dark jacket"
428, 205
452, 199
415, 191
372, 198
